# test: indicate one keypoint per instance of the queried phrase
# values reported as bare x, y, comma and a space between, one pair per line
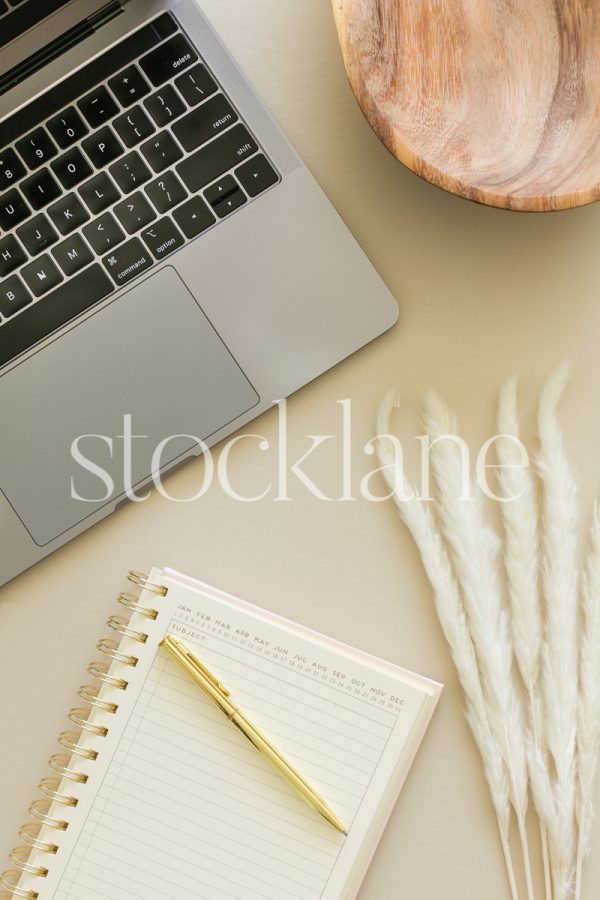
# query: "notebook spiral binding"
63, 765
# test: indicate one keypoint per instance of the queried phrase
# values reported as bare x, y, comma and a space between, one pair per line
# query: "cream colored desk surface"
482, 293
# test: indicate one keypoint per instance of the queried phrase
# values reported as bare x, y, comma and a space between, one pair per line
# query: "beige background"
482, 293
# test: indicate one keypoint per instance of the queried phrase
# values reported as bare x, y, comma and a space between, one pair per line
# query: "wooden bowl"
498, 102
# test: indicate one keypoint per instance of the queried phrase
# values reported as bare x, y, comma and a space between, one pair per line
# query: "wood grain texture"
495, 100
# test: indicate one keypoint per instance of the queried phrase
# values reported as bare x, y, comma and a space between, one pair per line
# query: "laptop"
169, 268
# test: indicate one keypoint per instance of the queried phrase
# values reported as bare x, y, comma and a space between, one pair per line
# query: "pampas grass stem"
589, 701
521, 557
475, 550
453, 621
560, 652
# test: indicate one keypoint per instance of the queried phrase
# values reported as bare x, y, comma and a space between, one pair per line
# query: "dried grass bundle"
539, 629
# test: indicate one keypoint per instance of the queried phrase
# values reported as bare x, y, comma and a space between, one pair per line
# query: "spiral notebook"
156, 795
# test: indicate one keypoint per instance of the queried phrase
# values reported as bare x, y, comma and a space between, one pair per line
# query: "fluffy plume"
589, 701
475, 550
417, 517
560, 653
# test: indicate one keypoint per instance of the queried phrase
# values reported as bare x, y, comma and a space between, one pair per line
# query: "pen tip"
345, 833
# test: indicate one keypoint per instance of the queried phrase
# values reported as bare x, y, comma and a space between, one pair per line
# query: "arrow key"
194, 217
257, 175
225, 196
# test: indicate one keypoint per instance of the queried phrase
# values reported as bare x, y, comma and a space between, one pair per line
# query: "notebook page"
186, 807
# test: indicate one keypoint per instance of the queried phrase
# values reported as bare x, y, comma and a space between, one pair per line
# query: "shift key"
218, 157
127, 261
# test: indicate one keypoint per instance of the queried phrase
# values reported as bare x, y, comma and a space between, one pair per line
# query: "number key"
67, 127
37, 148
11, 168
166, 192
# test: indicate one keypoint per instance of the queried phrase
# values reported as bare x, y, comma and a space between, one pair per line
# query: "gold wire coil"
141, 579
68, 740
111, 648
39, 811
19, 857
79, 717
130, 602
89, 693
59, 763
49, 788
100, 671
12, 885
29, 833
121, 626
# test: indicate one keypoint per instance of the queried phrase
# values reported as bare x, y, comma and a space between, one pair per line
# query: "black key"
99, 193
162, 238
162, 151
72, 254
102, 147
165, 26
68, 214
134, 126
11, 168
37, 234
195, 85
215, 159
166, 192
103, 234
12, 255
135, 212
167, 60
194, 217
203, 123
13, 209
71, 168
129, 86
257, 175
164, 106
225, 196
40, 189
130, 172
37, 148
98, 107
67, 127
69, 300
3, 7
14, 296
127, 261
41, 276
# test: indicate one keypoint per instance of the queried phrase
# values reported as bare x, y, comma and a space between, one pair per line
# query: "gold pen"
219, 693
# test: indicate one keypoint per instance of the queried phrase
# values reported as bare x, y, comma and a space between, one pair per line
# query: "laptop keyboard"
149, 156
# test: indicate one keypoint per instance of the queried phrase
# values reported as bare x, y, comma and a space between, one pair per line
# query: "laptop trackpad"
151, 358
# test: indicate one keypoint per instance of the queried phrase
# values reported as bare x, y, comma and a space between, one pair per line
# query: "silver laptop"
168, 266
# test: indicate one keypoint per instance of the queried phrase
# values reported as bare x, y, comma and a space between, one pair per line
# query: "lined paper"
187, 807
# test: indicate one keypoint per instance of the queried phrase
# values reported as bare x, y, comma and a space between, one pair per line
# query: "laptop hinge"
65, 42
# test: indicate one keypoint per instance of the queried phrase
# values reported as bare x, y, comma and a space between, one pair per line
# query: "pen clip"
196, 664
